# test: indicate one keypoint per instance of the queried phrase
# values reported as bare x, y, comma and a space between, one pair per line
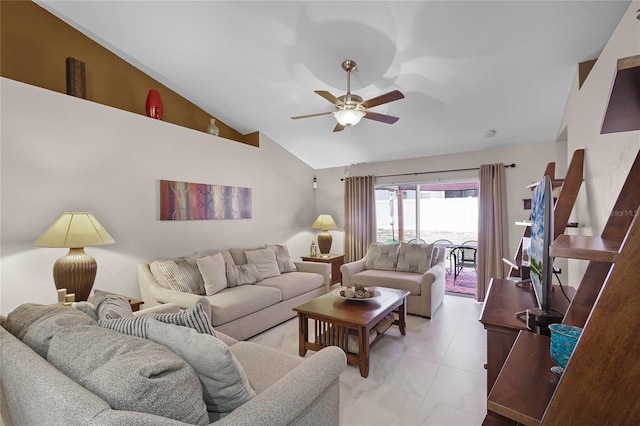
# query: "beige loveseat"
106, 371
239, 306
417, 268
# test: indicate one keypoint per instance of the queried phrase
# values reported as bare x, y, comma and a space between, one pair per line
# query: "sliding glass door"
426, 212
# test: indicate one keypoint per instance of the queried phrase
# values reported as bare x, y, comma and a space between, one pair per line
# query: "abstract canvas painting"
200, 201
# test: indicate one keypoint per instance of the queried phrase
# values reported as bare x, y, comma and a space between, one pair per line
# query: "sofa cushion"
414, 258
265, 261
285, 264
214, 273
393, 279
111, 306
179, 274
435, 255
38, 334
263, 364
382, 256
294, 284
86, 307
129, 373
233, 303
193, 317
27, 315
238, 275
224, 383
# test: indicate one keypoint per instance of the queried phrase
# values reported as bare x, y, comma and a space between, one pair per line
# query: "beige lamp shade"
75, 230
76, 271
324, 222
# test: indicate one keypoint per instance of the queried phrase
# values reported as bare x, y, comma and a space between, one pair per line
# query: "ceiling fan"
351, 108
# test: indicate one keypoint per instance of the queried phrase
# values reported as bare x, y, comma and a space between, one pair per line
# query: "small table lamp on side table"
76, 271
324, 222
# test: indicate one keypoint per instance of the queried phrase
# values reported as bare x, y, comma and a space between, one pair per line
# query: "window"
425, 212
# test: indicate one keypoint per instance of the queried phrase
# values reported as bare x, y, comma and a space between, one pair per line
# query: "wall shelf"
522, 394
623, 110
582, 247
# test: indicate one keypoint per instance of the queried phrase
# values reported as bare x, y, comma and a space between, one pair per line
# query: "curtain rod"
506, 166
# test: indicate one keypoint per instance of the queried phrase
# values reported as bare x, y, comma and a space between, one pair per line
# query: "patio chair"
446, 245
464, 256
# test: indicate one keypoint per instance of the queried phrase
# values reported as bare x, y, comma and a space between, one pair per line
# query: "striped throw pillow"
194, 317
111, 306
179, 274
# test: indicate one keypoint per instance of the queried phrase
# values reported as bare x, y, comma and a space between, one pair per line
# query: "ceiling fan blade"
383, 99
339, 127
328, 96
311, 115
389, 119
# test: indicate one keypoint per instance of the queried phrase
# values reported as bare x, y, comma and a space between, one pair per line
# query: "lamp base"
324, 242
76, 272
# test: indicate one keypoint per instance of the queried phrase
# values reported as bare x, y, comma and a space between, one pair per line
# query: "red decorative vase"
154, 104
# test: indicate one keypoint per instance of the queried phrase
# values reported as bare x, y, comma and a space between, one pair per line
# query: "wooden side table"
336, 260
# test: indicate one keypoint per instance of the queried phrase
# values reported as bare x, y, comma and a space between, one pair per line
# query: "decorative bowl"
563, 340
337, 291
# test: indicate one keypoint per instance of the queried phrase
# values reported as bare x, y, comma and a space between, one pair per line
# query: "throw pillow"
194, 317
238, 255
414, 258
242, 274
111, 306
228, 259
129, 373
285, 264
179, 274
265, 261
224, 383
212, 269
383, 257
87, 308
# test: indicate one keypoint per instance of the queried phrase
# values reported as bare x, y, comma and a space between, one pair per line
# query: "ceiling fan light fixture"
348, 117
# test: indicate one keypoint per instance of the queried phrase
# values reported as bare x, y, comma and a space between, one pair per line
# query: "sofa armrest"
153, 294
184, 300
323, 269
167, 308
286, 401
435, 273
350, 269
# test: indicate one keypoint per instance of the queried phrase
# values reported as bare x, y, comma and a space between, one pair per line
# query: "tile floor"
433, 375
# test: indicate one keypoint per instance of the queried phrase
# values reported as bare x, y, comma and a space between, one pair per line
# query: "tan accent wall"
35, 45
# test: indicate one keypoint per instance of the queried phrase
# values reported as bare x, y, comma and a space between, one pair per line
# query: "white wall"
531, 161
608, 157
61, 153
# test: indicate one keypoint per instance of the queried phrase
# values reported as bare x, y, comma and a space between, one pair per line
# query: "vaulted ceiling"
465, 67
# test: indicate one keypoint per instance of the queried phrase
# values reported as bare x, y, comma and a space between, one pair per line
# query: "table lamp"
324, 222
77, 270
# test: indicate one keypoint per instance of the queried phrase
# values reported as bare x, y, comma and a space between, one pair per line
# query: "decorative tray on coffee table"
372, 294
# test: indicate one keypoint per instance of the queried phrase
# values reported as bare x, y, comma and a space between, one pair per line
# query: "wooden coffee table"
333, 318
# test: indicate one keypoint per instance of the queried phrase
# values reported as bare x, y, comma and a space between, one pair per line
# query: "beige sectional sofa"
417, 268
110, 378
240, 306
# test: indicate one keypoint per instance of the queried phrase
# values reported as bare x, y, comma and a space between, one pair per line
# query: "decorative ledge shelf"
596, 249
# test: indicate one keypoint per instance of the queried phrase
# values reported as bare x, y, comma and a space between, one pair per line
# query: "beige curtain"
359, 216
492, 226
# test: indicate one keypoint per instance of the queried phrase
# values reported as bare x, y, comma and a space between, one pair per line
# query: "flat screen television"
540, 262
